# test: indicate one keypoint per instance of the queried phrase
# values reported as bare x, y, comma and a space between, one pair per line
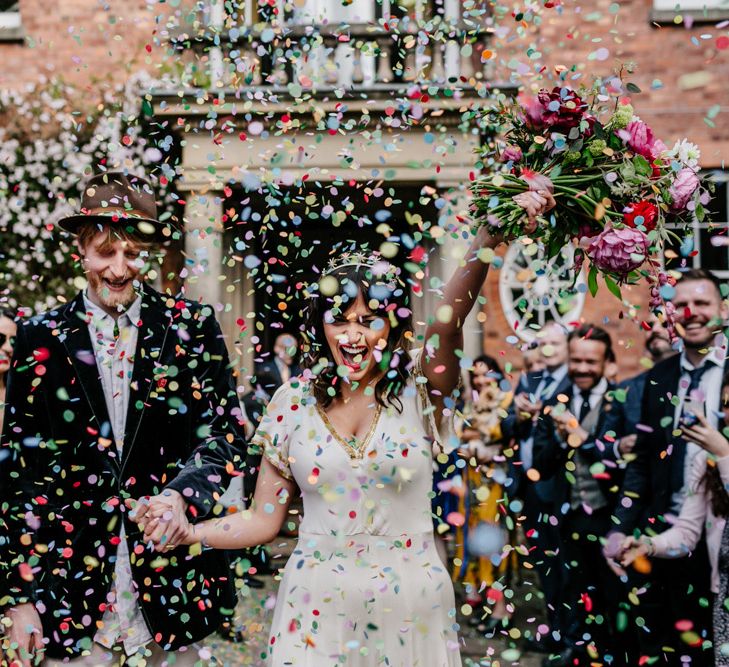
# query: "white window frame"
11, 26
666, 11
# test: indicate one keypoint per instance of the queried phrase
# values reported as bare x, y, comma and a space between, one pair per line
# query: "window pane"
717, 208
686, 5
713, 255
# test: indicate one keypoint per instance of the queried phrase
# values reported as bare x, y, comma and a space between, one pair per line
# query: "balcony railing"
229, 47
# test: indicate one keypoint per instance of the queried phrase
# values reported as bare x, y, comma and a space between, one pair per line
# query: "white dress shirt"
706, 400
596, 395
115, 343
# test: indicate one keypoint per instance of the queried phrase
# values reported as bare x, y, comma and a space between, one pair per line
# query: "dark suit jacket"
64, 484
624, 416
271, 368
518, 433
551, 454
655, 473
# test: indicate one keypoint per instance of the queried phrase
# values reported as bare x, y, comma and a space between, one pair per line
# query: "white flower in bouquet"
685, 152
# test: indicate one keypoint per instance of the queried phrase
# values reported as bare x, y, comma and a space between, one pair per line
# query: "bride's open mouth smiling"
353, 356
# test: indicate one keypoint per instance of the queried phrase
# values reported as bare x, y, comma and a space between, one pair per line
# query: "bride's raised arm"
444, 333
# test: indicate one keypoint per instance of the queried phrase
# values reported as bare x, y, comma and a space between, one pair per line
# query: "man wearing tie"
583, 469
533, 390
655, 481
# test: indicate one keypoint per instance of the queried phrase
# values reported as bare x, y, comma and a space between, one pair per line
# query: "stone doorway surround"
212, 162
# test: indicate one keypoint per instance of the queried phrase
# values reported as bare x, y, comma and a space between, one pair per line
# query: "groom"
121, 393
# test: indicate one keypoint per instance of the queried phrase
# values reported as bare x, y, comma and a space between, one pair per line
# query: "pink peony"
639, 138
511, 154
683, 188
618, 251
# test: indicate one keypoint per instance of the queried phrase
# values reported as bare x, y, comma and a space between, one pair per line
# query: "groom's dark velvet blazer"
63, 483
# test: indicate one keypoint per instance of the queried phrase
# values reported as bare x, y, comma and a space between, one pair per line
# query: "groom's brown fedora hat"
119, 200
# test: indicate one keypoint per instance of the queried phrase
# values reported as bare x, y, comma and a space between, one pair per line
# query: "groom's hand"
163, 519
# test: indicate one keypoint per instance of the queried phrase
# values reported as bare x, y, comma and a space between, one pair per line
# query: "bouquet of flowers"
616, 185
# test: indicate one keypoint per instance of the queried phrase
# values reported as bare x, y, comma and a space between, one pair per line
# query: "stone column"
204, 247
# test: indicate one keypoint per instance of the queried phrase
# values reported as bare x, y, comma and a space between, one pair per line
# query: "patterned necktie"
695, 376
546, 386
678, 456
585, 407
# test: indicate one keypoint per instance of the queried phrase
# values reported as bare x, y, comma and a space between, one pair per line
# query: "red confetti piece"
26, 574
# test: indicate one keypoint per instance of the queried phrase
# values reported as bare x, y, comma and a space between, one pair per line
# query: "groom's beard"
113, 298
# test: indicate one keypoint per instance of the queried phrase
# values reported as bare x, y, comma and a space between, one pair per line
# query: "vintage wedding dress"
365, 585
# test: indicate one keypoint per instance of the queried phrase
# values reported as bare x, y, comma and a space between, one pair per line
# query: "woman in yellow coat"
482, 563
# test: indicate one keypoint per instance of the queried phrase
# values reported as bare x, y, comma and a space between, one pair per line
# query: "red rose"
643, 209
562, 109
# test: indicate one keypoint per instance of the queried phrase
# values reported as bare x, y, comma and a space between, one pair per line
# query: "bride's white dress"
365, 585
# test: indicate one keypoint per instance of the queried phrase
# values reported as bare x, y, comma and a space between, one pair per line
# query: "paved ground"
254, 612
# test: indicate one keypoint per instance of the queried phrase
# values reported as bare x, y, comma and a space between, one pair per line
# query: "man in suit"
283, 365
655, 480
119, 394
621, 423
567, 451
524, 483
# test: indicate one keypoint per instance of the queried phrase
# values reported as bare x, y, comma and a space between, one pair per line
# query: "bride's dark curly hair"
389, 296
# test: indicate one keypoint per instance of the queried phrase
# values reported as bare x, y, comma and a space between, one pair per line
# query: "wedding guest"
526, 485
566, 450
283, 365
656, 479
357, 435
121, 393
621, 424
706, 508
533, 359
484, 475
8, 331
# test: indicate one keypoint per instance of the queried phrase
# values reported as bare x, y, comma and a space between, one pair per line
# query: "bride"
356, 435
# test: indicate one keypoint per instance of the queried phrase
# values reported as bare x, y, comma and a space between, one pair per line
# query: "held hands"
23, 635
633, 548
612, 550
707, 437
163, 520
534, 202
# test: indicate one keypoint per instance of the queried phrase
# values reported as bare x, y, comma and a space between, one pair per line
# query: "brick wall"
85, 42
681, 71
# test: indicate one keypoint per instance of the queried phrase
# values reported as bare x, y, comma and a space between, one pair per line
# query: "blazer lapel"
151, 338
673, 375
77, 341
604, 407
